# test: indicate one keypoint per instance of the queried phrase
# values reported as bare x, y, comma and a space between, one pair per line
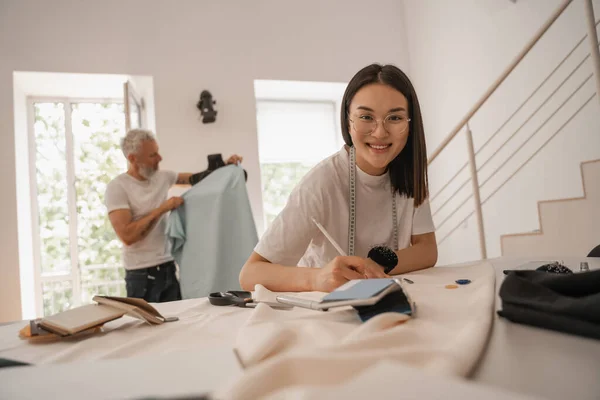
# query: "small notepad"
359, 292
80, 318
108, 308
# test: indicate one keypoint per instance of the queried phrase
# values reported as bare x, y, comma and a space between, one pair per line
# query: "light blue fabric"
213, 233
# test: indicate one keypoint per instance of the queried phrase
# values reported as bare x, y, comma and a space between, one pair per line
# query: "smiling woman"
353, 198
382, 142
387, 92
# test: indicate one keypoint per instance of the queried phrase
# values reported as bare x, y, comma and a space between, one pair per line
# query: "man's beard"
147, 172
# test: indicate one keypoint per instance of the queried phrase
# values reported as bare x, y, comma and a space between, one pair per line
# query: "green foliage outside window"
278, 181
96, 159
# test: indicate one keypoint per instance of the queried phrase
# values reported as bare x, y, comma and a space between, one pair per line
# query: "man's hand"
171, 203
344, 268
234, 159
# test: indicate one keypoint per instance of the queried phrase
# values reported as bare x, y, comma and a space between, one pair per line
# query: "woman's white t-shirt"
294, 239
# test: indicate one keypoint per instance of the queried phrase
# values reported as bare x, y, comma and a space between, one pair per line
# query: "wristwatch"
385, 257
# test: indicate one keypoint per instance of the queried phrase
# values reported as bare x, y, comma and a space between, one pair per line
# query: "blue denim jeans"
154, 284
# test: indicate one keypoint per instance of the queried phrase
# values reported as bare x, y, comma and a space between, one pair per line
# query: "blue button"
463, 281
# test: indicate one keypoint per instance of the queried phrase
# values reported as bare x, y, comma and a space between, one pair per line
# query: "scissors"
230, 298
240, 298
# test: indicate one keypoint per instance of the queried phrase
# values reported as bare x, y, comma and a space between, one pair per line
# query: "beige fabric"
394, 380
304, 348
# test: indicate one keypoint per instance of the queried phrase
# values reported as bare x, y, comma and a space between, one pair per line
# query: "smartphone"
279, 306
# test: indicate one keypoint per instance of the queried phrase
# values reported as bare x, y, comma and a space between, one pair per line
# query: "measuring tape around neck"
352, 206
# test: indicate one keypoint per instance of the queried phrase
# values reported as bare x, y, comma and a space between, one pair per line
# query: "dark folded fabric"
562, 302
392, 302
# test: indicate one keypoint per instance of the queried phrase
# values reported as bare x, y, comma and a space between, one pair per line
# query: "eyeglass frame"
377, 120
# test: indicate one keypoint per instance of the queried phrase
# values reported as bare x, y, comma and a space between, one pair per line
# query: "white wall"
457, 50
186, 46
566, 228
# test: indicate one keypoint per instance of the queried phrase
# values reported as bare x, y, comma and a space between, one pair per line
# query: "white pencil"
328, 236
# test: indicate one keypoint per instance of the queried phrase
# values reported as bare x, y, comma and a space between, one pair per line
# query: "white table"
536, 361
518, 358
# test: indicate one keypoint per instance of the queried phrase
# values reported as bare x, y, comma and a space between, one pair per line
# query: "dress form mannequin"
215, 161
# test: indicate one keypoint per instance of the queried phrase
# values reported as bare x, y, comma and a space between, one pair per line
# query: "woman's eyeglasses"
366, 124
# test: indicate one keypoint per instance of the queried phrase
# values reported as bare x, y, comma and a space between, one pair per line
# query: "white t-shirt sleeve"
115, 197
422, 220
170, 177
290, 234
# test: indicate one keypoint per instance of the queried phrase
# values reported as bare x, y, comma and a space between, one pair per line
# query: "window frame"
39, 279
338, 139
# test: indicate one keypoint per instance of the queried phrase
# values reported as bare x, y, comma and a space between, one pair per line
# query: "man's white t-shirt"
141, 197
293, 239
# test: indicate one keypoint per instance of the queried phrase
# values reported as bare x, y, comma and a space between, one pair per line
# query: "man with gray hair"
137, 203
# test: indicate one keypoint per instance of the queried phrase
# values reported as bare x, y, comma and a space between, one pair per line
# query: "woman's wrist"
309, 279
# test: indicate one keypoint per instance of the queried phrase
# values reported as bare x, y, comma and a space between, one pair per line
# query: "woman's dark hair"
408, 171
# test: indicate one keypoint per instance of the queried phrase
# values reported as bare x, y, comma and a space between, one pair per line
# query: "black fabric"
392, 302
215, 161
563, 302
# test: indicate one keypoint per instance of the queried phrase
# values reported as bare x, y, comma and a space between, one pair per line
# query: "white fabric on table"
201, 325
393, 380
186, 374
306, 347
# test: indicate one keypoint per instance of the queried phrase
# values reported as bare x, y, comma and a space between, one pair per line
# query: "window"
74, 154
293, 137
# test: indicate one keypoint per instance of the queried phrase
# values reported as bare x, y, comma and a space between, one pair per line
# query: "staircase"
565, 101
568, 227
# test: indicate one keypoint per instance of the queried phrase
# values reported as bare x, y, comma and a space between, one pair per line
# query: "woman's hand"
234, 159
344, 268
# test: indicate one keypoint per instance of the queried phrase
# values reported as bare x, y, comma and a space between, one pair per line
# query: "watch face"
384, 256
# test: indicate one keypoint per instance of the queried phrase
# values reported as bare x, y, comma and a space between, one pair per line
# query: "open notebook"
106, 309
357, 292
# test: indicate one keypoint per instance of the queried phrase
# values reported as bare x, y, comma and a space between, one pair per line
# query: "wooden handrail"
501, 79
593, 37
442, 239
